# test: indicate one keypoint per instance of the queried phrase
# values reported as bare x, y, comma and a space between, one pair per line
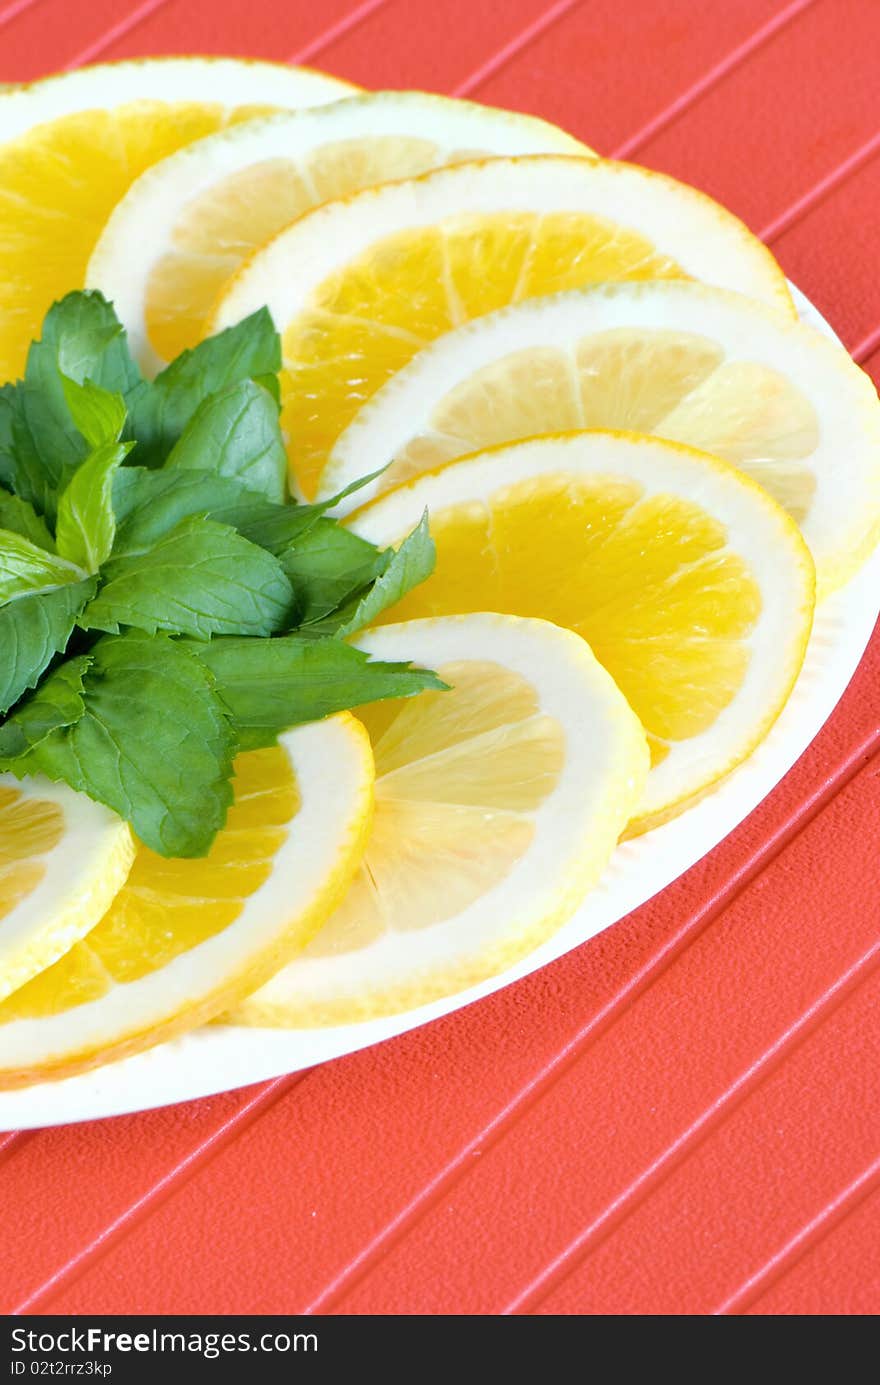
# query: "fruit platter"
421, 540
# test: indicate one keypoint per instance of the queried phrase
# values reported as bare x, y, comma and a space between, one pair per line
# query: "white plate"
216, 1059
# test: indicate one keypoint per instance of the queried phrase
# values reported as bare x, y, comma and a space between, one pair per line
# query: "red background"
681, 1117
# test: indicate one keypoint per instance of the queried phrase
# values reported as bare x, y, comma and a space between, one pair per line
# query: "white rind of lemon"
102, 86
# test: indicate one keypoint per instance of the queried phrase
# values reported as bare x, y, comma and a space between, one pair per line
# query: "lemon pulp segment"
649, 582
649, 380
457, 776
498, 805
366, 321
221, 226
167, 907
29, 829
60, 181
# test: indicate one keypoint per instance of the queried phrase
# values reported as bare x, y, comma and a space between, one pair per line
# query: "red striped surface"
682, 1116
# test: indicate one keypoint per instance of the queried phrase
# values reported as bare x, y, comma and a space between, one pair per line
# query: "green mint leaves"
160, 411
238, 429
153, 740
85, 526
26, 569
97, 414
201, 579
164, 604
33, 629
268, 685
403, 570
16, 514
58, 703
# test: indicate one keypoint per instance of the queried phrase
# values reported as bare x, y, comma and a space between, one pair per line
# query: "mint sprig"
85, 525
16, 514
268, 685
152, 740
33, 629
238, 429
201, 579
164, 603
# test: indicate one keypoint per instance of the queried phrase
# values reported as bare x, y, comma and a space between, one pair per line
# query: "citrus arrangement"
400, 505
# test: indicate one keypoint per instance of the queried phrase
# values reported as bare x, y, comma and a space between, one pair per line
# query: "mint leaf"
98, 415
40, 444
57, 703
33, 630
83, 339
411, 564
326, 565
159, 412
279, 527
270, 685
32, 477
86, 524
153, 743
16, 514
201, 579
324, 562
45, 431
198, 541
26, 568
149, 504
236, 433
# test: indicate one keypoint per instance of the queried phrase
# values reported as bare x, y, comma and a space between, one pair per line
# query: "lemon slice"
70, 146
691, 585
195, 216
359, 285
498, 804
679, 360
62, 860
185, 938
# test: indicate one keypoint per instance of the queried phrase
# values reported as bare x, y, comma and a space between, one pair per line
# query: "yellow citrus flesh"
753, 416
457, 777
29, 829
656, 555
644, 380
167, 907
59, 182
225, 224
369, 319
680, 360
472, 788
62, 860
184, 938
648, 582
201, 213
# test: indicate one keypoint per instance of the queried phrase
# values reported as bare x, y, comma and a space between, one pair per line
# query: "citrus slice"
692, 586
195, 216
359, 285
498, 804
62, 860
73, 144
679, 360
183, 939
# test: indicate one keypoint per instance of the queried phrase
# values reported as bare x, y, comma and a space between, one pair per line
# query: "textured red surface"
682, 1116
